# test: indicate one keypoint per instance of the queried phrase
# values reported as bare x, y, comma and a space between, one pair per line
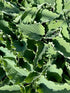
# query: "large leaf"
15, 74
34, 31
46, 86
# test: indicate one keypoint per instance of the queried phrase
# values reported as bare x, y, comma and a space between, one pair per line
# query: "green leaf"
47, 15
59, 25
10, 9
68, 67
46, 86
53, 25
20, 45
14, 73
31, 77
4, 26
1, 5
27, 89
29, 56
31, 44
62, 46
2, 73
67, 4
41, 48
10, 89
53, 73
29, 15
50, 2
65, 32
6, 53
51, 52
34, 31
42, 1
59, 6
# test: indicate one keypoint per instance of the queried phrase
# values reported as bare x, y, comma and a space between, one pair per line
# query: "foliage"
34, 46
